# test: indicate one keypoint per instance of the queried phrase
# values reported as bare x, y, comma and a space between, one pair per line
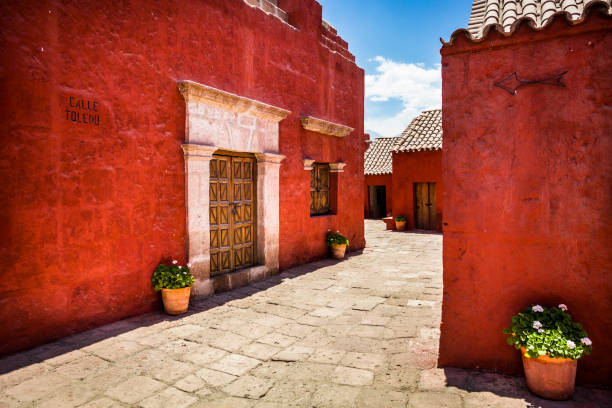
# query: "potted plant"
175, 282
550, 343
338, 244
400, 223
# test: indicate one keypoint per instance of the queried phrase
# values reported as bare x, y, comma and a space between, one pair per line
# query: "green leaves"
171, 277
334, 238
548, 332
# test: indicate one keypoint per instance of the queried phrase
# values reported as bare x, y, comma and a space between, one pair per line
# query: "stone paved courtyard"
357, 333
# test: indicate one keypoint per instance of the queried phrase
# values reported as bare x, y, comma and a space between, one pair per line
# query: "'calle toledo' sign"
83, 111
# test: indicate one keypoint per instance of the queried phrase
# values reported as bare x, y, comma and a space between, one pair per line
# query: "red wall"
377, 180
88, 211
416, 167
528, 200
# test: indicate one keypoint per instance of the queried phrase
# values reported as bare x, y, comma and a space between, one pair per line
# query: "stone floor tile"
21, 374
68, 396
434, 400
381, 398
171, 371
37, 387
291, 393
82, 367
335, 396
259, 351
326, 356
439, 379
248, 387
215, 378
352, 376
325, 312
401, 378
375, 320
229, 341
135, 389
293, 353
277, 339
103, 402
105, 379
369, 361
490, 400
114, 350
202, 355
224, 402
235, 364
191, 383
270, 320
170, 397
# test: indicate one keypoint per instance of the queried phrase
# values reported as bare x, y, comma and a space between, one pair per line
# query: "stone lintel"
193, 91
322, 126
269, 158
308, 164
198, 152
336, 167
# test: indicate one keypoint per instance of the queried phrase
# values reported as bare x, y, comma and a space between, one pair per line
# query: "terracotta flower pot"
176, 301
338, 251
550, 378
400, 225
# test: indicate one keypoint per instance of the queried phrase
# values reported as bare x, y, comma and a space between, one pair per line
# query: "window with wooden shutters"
319, 189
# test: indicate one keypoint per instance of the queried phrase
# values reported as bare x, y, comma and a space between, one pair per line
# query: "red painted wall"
378, 180
416, 167
87, 210
528, 200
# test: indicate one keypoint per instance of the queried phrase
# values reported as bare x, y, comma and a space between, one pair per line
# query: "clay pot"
550, 378
176, 301
400, 225
338, 251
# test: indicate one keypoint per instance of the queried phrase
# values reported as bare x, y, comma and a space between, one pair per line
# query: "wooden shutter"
319, 189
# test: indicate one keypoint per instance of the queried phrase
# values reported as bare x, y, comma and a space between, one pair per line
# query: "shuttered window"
319, 189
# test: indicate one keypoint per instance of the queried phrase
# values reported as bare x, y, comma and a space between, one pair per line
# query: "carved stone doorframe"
218, 120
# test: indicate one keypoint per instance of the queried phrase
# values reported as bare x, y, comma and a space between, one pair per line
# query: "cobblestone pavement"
357, 333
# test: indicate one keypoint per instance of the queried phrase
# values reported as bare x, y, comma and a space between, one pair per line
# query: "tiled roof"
505, 13
378, 158
423, 133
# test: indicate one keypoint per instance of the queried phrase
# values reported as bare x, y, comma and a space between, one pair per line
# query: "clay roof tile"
378, 157
423, 133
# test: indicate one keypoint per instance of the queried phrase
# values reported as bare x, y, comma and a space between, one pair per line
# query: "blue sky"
397, 43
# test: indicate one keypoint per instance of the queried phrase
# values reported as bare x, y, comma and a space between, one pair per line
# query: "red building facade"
527, 177
116, 120
417, 173
378, 169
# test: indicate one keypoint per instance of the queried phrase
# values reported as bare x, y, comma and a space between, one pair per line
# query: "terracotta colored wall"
416, 167
528, 200
378, 180
88, 211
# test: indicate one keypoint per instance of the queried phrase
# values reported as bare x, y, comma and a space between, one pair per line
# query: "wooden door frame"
431, 215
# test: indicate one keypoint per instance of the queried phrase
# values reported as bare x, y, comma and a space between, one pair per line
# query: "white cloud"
414, 85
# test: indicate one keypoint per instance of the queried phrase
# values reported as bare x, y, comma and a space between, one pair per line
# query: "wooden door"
425, 206
232, 213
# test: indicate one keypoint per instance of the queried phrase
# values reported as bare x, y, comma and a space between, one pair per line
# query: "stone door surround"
219, 120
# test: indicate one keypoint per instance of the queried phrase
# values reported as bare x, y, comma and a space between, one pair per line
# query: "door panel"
232, 215
425, 206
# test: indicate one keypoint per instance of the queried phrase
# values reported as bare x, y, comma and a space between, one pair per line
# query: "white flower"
174, 262
540, 330
537, 324
537, 308
563, 307
180, 267
177, 275
189, 265
571, 344
586, 341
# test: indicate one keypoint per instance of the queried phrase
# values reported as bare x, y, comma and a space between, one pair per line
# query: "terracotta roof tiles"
423, 133
506, 15
378, 157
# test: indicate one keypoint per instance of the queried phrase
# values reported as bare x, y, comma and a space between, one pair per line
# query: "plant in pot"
400, 223
550, 343
338, 244
175, 282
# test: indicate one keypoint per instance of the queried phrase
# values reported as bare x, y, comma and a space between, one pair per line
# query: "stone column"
268, 168
197, 180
